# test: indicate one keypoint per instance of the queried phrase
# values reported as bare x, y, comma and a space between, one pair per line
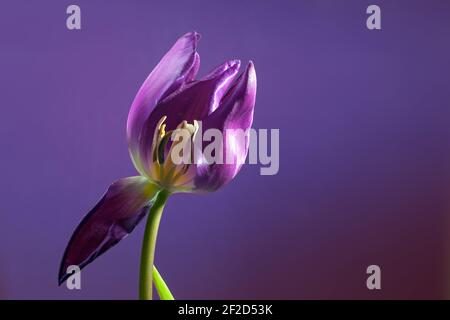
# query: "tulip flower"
170, 99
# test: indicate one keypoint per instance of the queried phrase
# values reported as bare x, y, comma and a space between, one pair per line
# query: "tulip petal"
122, 207
234, 112
190, 76
178, 66
192, 102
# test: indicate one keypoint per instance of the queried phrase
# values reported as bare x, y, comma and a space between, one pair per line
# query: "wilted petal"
179, 65
192, 102
125, 203
235, 112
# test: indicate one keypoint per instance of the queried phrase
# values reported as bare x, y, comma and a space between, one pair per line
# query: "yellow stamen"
163, 170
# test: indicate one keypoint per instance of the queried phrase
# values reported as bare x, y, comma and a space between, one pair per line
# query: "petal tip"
251, 67
60, 280
251, 74
232, 66
234, 63
193, 36
62, 276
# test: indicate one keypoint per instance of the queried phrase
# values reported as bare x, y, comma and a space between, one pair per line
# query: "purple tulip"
169, 99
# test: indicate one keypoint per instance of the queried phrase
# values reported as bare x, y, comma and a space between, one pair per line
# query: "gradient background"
365, 148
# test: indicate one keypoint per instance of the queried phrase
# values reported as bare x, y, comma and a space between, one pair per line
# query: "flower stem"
161, 286
148, 246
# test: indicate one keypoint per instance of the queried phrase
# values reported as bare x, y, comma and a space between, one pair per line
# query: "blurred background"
364, 148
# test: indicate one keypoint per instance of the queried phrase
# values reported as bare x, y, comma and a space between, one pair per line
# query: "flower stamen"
169, 174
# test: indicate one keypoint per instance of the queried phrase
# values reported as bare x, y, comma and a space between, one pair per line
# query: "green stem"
161, 287
148, 246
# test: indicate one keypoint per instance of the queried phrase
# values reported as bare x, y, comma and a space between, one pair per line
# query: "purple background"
365, 148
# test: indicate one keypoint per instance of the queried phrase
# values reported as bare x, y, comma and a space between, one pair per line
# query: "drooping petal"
235, 112
178, 66
124, 204
192, 102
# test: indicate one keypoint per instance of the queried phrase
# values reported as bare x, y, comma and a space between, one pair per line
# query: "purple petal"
190, 76
195, 101
235, 112
125, 203
178, 66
